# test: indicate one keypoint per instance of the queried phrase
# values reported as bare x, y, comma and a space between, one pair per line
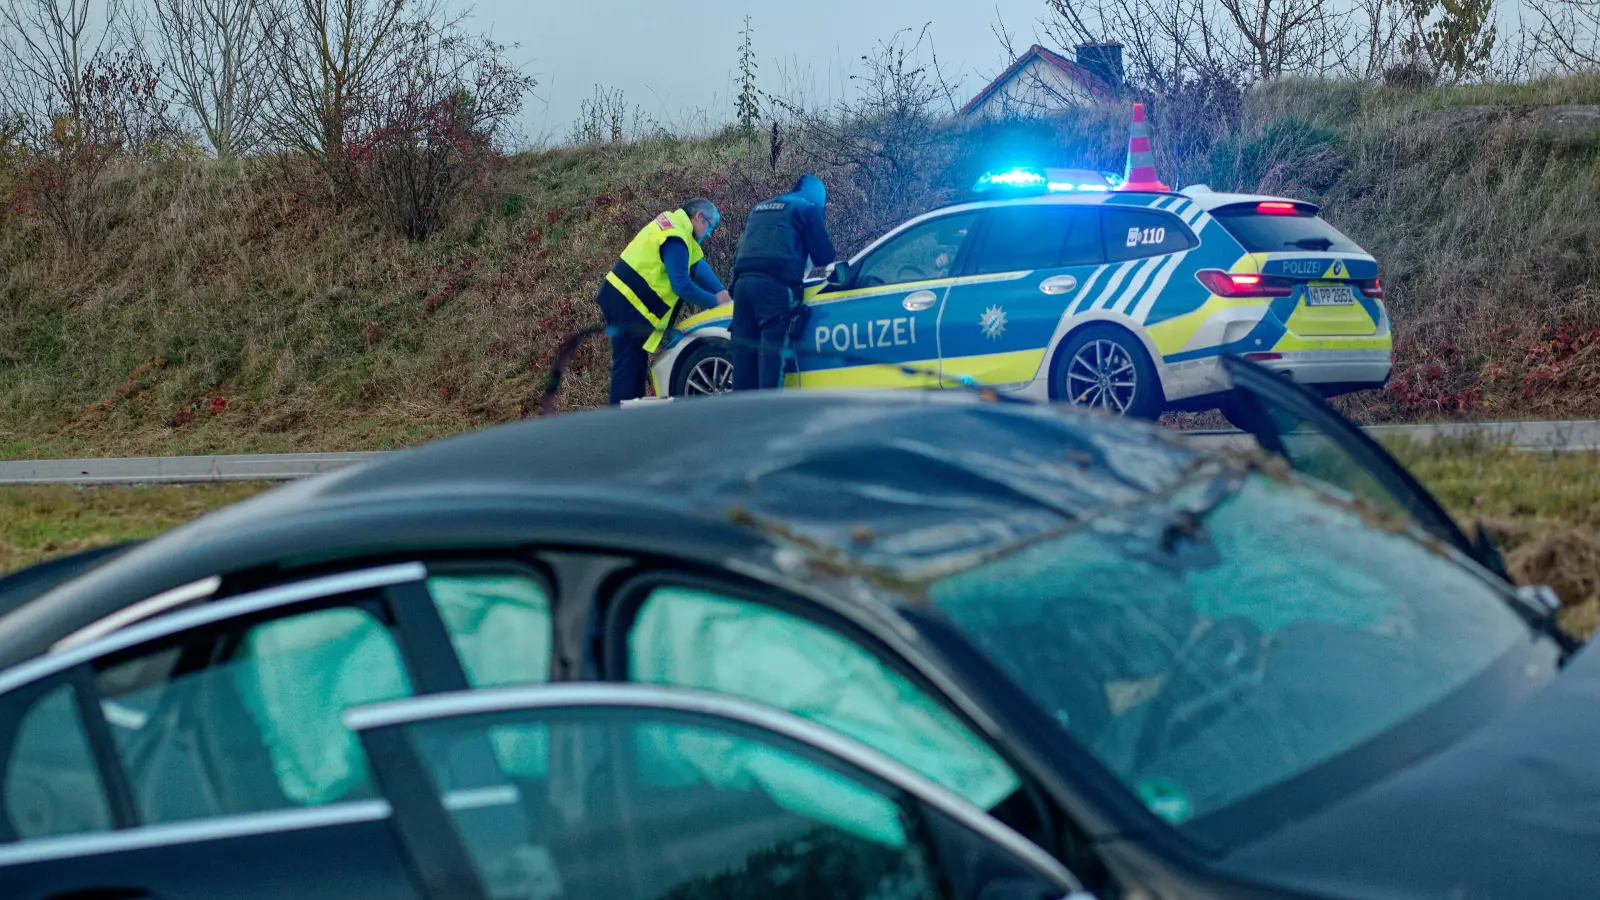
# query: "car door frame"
1256, 391
1075, 814
973, 252
445, 866
420, 637
930, 366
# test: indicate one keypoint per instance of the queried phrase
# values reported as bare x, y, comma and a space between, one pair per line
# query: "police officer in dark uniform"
768, 271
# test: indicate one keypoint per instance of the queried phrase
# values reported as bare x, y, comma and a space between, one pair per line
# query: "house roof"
1081, 74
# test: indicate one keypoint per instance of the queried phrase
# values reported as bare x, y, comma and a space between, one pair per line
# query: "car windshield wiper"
1312, 243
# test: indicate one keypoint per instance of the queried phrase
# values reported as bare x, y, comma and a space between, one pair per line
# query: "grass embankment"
224, 310
1543, 509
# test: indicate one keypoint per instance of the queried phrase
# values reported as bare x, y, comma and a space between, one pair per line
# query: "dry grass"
1542, 509
225, 312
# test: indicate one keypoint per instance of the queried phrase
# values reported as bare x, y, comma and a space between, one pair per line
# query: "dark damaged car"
809, 645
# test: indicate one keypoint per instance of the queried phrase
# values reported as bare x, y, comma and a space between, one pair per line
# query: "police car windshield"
1276, 632
1259, 233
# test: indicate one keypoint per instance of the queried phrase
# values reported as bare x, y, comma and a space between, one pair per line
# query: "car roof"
884, 487
1200, 195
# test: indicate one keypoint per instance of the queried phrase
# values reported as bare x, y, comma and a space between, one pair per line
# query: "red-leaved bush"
429, 132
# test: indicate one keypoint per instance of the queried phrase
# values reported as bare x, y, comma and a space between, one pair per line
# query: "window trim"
174, 834
757, 717
426, 642
265, 600
75, 667
620, 610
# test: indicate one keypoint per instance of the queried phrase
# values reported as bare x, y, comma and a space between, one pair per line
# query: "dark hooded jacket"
783, 232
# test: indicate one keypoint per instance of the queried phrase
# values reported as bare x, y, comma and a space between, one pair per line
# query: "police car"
1080, 291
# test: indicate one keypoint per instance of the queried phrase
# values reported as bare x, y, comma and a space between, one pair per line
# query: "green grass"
1543, 509
44, 521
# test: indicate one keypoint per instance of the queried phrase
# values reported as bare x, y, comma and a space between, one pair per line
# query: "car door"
1031, 264
642, 793
881, 328
1303, 429
200, 753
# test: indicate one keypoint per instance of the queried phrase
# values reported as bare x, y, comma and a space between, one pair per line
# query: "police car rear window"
1267, 233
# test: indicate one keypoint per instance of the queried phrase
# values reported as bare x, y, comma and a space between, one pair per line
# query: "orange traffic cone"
1140, 174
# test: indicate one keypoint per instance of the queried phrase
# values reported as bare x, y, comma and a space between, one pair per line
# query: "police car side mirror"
839, 273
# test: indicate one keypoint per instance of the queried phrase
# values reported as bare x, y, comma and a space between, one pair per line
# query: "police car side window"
1026, 238
921, 253
1138, 233
689, 637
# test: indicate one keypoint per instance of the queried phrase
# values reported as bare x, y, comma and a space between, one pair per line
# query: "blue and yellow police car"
1063, 287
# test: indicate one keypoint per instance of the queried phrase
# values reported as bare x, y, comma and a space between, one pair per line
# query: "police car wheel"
705, 371
1104, 367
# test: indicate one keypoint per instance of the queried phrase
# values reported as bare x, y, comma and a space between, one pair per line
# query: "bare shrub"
118, 113
432, 132
608, 118
327, 56
1569, 33
886, 140
46, 50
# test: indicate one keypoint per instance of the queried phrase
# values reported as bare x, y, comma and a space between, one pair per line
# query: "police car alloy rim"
1102, 374
712, 375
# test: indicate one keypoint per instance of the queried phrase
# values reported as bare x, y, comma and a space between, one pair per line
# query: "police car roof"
895, 482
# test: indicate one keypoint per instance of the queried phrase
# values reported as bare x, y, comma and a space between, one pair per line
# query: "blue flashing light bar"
1011, 178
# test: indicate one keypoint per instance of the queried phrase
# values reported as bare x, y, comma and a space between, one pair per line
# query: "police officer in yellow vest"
662, 265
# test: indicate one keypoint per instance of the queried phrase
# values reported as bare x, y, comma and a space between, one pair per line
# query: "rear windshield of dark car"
1260, 233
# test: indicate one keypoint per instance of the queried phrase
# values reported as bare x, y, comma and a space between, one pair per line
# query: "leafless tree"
214, 53
1165, 42
1381, 22
327, 55
1288, 36
1569, 33
46, 47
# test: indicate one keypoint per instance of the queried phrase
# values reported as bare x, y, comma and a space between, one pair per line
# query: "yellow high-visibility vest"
641, 276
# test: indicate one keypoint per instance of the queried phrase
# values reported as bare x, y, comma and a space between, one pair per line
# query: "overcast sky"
672, 59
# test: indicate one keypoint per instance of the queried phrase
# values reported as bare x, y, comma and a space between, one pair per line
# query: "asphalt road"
1568, 436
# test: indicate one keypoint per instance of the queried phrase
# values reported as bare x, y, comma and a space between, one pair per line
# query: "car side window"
921, 253
1027, 238
688, 637
248, 721
1138, 233
739, 815
499, 625
52, 785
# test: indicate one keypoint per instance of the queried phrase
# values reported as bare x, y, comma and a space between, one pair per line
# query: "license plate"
1339, 295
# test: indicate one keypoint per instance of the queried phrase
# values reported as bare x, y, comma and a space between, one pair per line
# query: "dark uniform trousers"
763, 308
630, 364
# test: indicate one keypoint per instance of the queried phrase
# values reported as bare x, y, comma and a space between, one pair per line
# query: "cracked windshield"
1035, 449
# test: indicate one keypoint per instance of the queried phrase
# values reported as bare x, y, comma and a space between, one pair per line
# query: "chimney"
1104, 60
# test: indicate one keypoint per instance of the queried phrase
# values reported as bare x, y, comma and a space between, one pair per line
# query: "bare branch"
215, 53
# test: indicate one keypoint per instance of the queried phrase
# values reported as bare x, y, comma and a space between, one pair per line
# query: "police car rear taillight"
1243, 284
1373, 288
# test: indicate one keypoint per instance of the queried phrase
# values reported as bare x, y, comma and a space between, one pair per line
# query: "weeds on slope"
225, 309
